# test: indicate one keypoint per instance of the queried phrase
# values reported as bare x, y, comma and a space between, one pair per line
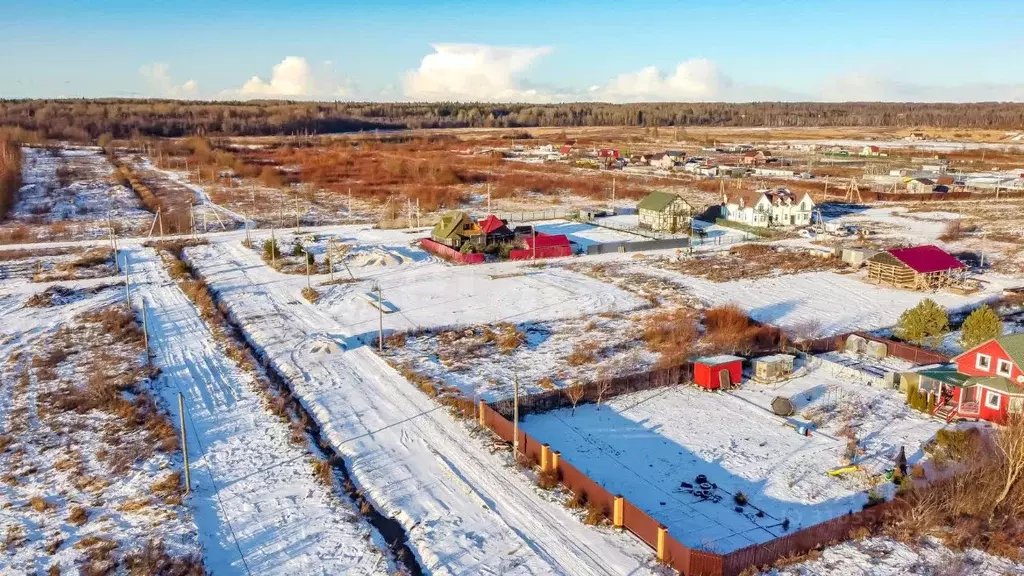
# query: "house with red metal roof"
925, 267
495, 230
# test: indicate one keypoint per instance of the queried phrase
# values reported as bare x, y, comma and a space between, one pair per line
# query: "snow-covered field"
72, 189
837, 303
884, 557
645, 445
464, 509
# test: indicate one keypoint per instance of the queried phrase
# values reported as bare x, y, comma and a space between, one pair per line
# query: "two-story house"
987, 384
768, 208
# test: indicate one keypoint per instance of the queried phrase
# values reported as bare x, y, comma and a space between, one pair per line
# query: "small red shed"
714, 372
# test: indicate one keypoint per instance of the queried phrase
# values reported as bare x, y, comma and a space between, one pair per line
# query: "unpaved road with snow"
258, 507
465, 510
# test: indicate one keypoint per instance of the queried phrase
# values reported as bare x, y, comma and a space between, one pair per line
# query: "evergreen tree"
981, 326
923, 323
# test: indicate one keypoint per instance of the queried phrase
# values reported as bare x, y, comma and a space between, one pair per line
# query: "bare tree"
1009, 441
574, 393
806, 332
604, 384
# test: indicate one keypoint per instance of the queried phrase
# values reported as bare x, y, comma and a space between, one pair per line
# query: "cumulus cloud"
694, 79
295, 77
159, 82
475, 72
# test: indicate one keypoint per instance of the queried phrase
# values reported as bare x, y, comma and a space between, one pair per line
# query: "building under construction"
918, 268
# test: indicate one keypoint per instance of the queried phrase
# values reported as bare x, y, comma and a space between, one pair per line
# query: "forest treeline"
88, 119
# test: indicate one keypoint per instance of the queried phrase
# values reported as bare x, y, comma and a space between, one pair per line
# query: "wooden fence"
673, 553
902, 350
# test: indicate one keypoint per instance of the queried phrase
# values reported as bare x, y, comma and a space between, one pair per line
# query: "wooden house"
455, 229
715, 372
664, 211
919, 268
920, 186
495, 230
986, 384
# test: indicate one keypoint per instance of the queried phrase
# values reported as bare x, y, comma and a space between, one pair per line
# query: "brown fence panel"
577, 481
638, 522
809, 538
908, 352
705, 564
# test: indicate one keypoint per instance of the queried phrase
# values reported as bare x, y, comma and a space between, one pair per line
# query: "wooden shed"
714, 372
772, 368
919, 268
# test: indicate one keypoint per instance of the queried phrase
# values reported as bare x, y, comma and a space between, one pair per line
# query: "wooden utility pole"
296, 211
127, 283
330, 258
515, 415
113, 245
350, 201
245, 222
145, 333
160, 219
308, 285
184, 442
613, 189
488, 197
380, 326
273, 247
417, 212
533, 229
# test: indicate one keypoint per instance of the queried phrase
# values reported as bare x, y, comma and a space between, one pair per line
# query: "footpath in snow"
464, 509
258, 507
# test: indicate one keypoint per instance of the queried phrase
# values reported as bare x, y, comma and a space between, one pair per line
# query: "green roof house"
456, 228
664, 211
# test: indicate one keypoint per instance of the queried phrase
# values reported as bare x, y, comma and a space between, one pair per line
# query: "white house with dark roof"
764, 208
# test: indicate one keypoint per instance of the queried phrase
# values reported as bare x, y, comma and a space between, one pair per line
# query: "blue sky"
528, 50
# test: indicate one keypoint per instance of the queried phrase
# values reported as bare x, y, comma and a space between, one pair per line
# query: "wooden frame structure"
884, 268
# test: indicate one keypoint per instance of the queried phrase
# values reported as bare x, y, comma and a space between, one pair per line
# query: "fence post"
554, 459
483, 419
617, 511
662, 543
545, 457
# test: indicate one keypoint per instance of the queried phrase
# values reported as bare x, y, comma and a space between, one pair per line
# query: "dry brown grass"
509, 338
548, 479
672, 334
324, 472
310, 294
169, 484
750, 261
596, 514
40, 504
546, 383
154, 559
78, 516
582, 353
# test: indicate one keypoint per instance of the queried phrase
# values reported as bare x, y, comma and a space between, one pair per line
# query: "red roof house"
920, 268
608, 153
714, 372
987, 384
495, 229
565, 150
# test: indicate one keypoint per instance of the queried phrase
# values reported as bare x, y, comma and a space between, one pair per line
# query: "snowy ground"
70, 192
464, 510
885, 557
90, 458
258, 507
645, 445
837, 303
554, 354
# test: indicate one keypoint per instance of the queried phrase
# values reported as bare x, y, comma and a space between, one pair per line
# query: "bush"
595, 514
981, 326
923, 323
548, 479
271, 249
310, 294
78, 516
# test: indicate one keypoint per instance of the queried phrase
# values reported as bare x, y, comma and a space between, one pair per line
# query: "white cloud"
294, 77
158, 80
475, 72
694, 79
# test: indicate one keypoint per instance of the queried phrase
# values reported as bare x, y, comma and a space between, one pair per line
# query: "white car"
806, 233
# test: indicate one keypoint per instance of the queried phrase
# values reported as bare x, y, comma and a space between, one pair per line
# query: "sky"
523, 51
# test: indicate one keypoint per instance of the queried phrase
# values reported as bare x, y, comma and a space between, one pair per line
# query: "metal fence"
530, 216
637, 246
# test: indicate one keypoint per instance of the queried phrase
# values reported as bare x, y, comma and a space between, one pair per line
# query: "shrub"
595, 514
78, 516
922, 323
740, 498
310, 294
40, 504
510, 338
582, 353
672, 334
548, 479
169, 484
324, 472
271, 249
546, 383
981, 326
575, 501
